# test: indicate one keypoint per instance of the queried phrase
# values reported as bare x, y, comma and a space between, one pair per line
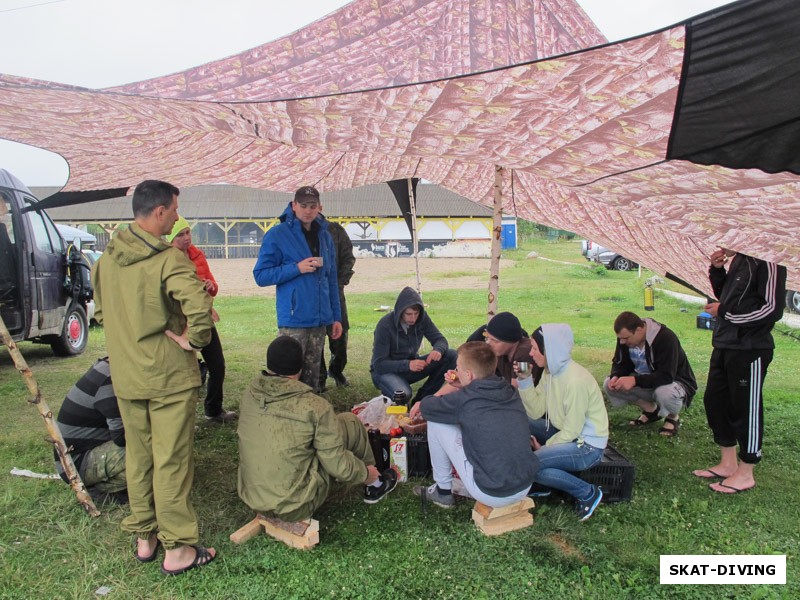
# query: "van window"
6, 224
52, 232
40, 235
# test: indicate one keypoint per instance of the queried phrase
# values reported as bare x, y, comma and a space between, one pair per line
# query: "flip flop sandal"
201, 559
667, 432
146, 559
714, 475
733, 490
652, 417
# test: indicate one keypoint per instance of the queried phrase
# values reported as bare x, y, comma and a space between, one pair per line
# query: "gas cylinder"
649, 297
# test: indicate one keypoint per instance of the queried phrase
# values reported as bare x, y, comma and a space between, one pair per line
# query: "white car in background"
608, 258
793, 301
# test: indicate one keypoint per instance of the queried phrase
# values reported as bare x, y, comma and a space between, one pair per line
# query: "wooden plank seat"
302, 535
496, 521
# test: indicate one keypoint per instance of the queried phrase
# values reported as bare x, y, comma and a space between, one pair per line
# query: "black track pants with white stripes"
734, 402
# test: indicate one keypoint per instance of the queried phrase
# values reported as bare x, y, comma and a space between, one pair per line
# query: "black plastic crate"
419, 459
615, 474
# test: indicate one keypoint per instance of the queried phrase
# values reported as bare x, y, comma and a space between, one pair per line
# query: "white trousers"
447, 451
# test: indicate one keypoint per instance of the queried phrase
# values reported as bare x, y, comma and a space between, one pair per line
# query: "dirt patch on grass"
235, 276
566, 548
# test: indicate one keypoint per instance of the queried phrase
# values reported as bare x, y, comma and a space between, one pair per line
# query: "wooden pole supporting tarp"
497, 233
413, 202
55, 436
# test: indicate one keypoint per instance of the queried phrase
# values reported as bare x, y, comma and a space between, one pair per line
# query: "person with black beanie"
292, 446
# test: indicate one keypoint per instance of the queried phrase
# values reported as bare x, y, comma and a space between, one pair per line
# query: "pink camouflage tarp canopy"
661, 147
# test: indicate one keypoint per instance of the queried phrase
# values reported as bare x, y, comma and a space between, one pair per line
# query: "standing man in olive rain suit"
156, 314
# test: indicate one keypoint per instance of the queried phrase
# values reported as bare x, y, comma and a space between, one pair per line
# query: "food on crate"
415, 425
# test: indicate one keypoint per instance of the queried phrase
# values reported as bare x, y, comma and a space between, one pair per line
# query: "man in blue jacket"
297, 256
396, 362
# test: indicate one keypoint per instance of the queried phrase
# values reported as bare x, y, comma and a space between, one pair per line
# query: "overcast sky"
100, 43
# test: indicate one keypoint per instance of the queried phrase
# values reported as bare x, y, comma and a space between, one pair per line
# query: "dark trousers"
215, 361
389, 383
734, 402
338, 361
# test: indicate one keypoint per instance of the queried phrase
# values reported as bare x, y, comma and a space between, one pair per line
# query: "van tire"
75, 333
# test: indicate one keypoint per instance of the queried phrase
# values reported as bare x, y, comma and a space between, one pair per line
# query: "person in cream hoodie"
568, 419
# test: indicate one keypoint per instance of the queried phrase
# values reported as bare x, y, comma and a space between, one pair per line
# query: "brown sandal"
652, 417
673, 431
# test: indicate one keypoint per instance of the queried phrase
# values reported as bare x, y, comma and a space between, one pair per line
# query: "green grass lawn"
50, 549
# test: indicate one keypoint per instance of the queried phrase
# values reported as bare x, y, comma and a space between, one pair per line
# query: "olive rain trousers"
159, 437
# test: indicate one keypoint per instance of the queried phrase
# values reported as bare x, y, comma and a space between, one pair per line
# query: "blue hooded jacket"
302, 299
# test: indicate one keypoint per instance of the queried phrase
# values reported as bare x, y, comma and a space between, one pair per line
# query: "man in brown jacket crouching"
292, 445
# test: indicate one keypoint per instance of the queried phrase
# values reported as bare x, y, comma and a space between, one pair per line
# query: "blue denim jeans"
558, 461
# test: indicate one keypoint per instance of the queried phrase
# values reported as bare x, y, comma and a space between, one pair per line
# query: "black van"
44, 281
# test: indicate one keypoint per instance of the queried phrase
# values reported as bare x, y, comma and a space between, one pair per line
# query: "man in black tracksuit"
750, 297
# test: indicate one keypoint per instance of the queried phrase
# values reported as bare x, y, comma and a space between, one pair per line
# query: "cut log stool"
495, 521
303, 535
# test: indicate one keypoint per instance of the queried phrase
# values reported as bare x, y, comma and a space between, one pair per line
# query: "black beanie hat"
285, 356
505, 327
538, 337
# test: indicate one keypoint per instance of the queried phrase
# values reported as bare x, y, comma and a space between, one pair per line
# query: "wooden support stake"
497, 234
55, 433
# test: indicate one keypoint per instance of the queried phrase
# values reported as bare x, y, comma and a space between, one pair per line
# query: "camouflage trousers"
312, 339
104, 468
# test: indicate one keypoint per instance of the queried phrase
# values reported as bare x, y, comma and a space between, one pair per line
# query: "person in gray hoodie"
477, 424
396, 362
568, 419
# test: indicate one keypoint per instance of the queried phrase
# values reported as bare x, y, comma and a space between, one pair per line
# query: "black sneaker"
585, 508
433, 494
339, 378
373, 495
226, 416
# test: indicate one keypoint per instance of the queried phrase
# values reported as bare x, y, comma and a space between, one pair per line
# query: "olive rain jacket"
143, 287
290, 448
750, 297
665, 357
301, 299
393, 346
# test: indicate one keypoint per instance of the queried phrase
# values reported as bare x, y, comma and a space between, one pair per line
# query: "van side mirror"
77, 243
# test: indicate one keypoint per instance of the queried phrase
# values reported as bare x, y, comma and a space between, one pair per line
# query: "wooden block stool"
495, 521
303, 535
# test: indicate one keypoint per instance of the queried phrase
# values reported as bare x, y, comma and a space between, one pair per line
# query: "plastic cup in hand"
318, 261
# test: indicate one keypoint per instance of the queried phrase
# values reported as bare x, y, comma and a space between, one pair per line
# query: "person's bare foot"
181, 557
146, 547
740, 481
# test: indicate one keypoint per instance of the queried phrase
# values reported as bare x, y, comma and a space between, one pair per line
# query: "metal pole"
414, 240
